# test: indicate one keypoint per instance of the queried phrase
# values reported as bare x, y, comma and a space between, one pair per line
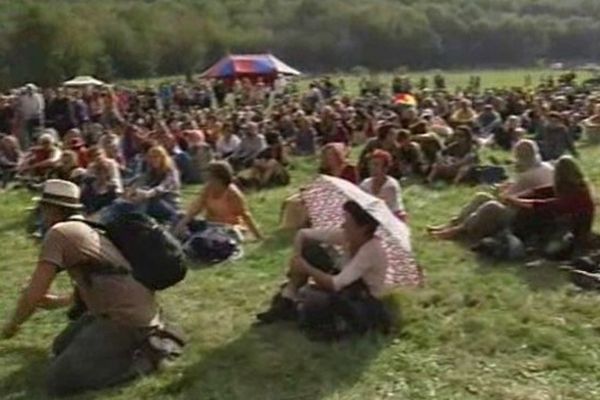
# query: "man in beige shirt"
104, 346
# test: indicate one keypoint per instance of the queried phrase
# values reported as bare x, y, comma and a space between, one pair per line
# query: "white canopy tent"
84, 80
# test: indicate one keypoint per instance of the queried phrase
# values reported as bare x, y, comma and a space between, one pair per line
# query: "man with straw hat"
108, 344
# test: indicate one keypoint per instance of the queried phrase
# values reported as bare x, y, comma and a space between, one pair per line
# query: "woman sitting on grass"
566, 207
383, 186
222, 202
334, 162
154, 192
531, 173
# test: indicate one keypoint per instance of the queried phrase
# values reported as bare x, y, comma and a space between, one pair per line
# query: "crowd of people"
107, 151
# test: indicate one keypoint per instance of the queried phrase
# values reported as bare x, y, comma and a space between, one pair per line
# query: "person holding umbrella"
363, 267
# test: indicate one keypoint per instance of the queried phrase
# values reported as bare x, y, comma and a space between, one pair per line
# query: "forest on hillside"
46, 41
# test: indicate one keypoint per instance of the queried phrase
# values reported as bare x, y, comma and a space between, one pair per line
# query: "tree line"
47, 41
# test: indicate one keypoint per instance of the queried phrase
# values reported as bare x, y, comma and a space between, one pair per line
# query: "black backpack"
486, 175
156, 256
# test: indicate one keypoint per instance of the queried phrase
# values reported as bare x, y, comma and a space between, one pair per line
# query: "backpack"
156, 256
212, 245
486, 174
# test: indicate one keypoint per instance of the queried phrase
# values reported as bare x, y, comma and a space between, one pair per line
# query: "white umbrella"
324, 199
84, 80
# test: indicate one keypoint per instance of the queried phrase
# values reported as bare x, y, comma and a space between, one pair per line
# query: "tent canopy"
84, 80
233, 66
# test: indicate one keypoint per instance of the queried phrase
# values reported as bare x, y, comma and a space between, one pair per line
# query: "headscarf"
527, 155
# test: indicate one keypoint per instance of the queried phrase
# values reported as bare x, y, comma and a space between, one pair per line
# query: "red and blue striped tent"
253, 66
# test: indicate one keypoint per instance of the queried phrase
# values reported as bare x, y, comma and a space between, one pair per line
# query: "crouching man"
332, 297
115, 339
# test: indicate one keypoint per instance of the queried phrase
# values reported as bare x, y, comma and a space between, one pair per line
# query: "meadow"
498, 78
477, 330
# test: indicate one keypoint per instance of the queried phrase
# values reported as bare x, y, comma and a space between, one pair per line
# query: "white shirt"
542, 175
31, 106
228, 146
369, 263
390, 192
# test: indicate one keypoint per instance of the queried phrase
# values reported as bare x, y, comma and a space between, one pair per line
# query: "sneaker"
586, 280
282, 309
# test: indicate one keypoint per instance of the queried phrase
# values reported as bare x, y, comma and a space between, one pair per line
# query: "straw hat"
61, 193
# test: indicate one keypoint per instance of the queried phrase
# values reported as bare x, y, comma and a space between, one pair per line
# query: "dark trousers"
94, 353
94, 202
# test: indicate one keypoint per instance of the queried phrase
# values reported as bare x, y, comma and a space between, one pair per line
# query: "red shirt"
578, 207
576, 203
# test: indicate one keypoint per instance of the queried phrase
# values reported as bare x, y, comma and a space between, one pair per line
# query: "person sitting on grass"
252, 144
306, 135
268, 168
10, 157
383, 186
102, 183
154, 192
531, 174
386, 140
109, 344
228, 142
464, 114
40, 159
311, 281
457, 159
222, 202
334, 162
505, 136
68, 168
554, 138
77, 145
409, 159
566, 207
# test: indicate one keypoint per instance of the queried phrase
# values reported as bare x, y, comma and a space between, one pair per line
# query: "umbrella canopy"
324, 199
84, 80
405, 99
249, 65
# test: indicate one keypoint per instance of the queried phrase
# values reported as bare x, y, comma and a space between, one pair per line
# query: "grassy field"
476, 331
454, 79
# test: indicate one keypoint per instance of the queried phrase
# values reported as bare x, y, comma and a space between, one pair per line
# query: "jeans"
94, 202
184, 165
161, 209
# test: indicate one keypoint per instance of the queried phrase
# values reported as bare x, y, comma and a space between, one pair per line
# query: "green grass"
476, 331
503, 78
